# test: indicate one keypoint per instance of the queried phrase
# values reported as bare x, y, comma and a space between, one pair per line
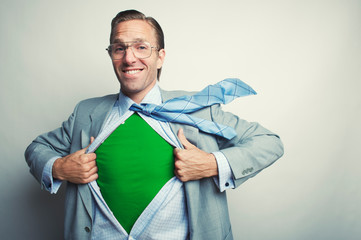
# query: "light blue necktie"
176, 109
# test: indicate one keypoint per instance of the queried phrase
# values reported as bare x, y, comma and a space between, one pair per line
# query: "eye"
118, 48
141, 46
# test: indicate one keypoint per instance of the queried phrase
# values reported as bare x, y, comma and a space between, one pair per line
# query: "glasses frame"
129, 45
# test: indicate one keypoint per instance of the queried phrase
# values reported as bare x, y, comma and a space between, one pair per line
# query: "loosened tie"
177, 109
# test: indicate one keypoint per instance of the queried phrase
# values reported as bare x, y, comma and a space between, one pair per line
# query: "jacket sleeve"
253, 149
49, 145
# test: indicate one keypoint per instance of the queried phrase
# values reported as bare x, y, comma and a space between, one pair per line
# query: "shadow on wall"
44, 217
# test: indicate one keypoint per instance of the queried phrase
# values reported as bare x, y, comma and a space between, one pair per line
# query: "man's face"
137, 76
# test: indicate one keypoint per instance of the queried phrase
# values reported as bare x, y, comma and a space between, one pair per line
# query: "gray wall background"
302, 57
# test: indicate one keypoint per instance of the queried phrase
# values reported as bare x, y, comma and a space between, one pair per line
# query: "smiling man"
135, 172
132, 42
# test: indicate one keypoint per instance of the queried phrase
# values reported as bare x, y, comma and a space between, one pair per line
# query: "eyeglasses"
140, 49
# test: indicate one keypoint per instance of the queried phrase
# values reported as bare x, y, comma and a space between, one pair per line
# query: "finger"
186, 144
180, 154
93, 170
176, 173
88, 174
84, 149
180, 176
93, 177
91, 141
176, 152
87, 157
88, 179
177, 164
91, 157
89, 165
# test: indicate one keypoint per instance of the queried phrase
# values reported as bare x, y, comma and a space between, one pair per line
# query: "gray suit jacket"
253, 149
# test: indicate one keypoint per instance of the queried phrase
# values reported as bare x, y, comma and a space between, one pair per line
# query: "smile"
132, 71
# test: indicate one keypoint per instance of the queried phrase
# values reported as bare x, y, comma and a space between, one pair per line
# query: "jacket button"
87, 229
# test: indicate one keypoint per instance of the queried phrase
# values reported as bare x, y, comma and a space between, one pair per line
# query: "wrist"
56, 168
213, 167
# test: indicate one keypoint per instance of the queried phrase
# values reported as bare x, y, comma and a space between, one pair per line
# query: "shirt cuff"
224, 180
47, 181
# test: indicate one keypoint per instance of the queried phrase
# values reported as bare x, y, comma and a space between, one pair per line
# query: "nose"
129, 56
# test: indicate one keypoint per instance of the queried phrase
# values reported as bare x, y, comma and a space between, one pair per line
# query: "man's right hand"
78, 167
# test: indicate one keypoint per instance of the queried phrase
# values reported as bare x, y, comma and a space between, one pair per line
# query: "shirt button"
87, 229
227, 184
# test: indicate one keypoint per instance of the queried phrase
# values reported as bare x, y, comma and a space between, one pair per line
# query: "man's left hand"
191, 163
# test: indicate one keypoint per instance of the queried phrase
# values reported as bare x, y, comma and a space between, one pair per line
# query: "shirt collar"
124, 102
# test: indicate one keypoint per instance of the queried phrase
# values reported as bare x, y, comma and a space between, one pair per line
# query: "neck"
138, 96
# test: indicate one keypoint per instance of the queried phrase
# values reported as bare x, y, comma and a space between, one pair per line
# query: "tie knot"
147, 111
144, 108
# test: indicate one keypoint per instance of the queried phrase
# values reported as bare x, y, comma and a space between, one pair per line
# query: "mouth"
132, 71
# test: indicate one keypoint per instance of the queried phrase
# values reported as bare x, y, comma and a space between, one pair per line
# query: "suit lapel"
192, 188
190, 132
100, 113
97, 118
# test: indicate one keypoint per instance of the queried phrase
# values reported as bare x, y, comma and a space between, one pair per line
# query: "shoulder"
92, 102
205, 113
166, 95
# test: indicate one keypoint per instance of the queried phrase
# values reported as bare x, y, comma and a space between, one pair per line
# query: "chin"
130, 90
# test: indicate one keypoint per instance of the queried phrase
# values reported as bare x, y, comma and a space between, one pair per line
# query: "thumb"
186, 144
91, 141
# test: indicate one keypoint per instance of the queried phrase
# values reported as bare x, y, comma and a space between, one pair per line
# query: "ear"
161, 56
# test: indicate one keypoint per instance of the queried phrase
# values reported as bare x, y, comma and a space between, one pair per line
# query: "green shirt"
134, 163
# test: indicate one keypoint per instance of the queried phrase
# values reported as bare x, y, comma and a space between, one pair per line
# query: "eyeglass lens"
140, 49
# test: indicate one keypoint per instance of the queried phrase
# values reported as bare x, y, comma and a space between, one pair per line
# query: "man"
141, 177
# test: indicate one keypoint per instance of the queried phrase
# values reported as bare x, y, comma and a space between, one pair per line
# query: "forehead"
134, 30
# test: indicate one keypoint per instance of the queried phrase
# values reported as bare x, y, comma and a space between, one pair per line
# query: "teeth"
132, 71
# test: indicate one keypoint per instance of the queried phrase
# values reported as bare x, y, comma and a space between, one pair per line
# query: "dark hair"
136, 15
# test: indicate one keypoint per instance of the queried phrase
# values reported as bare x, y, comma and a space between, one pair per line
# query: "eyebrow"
117, 40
